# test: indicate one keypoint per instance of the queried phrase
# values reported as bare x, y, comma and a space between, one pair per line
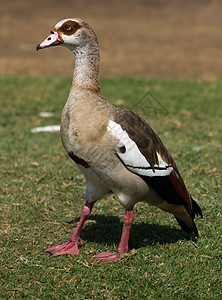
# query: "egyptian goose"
116, 149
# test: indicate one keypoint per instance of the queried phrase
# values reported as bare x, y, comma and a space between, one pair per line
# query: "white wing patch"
133, 159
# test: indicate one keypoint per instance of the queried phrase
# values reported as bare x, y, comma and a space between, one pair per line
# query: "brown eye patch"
69, 27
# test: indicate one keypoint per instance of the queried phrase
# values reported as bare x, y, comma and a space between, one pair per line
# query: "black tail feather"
196, 210
186, 228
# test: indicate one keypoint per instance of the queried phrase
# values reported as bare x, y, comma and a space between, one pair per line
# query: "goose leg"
123, 245
71, 247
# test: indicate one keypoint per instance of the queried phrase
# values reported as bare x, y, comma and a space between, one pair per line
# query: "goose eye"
68, 28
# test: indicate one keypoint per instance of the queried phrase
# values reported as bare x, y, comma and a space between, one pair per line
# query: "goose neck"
86, 72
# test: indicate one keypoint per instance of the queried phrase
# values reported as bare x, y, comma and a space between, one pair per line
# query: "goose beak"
51, 40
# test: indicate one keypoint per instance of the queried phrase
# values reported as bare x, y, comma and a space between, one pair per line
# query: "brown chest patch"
78, 160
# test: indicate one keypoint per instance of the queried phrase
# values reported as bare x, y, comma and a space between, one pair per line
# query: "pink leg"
123, 245
71, 247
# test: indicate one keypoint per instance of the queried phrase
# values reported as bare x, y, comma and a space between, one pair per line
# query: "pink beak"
51, 40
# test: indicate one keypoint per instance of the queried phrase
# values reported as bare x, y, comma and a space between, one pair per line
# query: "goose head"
72, 33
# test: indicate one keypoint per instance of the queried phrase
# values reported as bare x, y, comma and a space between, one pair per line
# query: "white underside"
128, 187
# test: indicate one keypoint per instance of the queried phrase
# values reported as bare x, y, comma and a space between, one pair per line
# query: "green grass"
42, 196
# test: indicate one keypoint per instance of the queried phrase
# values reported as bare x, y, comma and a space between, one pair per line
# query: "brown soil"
158, 38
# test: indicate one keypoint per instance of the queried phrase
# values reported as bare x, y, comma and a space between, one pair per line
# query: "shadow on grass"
108, 229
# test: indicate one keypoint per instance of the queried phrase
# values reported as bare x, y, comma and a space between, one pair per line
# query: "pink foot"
123, 246
69, 247
107, 256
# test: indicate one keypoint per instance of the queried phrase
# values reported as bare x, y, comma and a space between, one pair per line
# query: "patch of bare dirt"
155, 38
